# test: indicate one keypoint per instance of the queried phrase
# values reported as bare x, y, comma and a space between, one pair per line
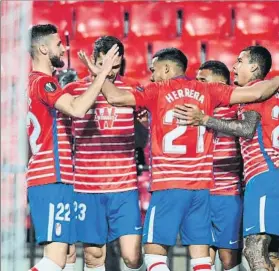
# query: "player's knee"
132, 259
56, 252
230, 259
94, 256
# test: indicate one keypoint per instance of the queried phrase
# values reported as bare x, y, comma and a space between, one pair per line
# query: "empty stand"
206, 20
95, 19
257, 20
153, 20
136, 56
273, 47
226, 51
54, 13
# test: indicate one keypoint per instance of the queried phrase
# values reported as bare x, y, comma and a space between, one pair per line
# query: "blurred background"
203, 30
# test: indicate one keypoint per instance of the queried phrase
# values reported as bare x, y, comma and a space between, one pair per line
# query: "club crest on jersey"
50, 87
58, 229
105, 117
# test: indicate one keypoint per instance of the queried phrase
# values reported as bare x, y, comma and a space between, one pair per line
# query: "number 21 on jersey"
170, 147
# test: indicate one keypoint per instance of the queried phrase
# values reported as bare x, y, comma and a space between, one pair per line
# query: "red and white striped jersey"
49, 133
261, 153
226, 158
182, 156
104, 146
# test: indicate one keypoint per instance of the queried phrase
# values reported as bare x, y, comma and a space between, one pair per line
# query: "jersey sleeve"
145, 97
71, 88
49, 91
220, 94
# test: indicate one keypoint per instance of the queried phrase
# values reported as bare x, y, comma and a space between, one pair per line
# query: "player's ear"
43, 49
167, 68
254, 67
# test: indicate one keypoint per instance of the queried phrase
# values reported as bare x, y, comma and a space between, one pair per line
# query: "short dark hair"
261, 56
173, 54
104, 44
38, 32
217, 68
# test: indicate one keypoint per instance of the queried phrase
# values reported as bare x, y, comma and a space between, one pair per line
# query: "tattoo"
240, 128
256, 252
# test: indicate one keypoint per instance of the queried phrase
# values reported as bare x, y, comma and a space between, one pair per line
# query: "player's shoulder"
126, 82
44, 81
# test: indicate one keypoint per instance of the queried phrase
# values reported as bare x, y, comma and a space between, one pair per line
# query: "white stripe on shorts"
151, 225
262, 213
50, 222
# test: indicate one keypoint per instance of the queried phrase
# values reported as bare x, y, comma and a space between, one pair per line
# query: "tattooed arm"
240, 128
191, 115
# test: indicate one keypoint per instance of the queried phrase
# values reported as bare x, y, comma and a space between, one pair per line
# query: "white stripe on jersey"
105, 183
105, 191
40, 176
181, 179
111, 151
105, 144
97, 129
100, 136
181, 159
180, 172
182, 166
110, 167
103, 175
40, 168
104, 159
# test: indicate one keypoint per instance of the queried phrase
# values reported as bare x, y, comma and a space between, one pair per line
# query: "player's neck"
42, 66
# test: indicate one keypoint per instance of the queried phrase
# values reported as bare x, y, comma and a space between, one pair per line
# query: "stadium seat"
273, 47
75, 46
97, 19
53, 13
153, 20
136, 58
257, 20
192, 49
206, 20
226, 51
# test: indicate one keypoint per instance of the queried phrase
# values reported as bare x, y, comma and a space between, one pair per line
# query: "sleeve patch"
50, 87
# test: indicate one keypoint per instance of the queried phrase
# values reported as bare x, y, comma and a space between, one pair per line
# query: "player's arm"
255, 93
116, 96
78, 106
192, 115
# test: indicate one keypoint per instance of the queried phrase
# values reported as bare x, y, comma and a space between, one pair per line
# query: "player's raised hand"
110, 59
88, 63
189, 114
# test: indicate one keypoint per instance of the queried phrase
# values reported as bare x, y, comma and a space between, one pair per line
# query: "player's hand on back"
189, 114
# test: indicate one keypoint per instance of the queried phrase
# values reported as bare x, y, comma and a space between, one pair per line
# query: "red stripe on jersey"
104, 147
226, 158
202, 267
34, 269
49, 133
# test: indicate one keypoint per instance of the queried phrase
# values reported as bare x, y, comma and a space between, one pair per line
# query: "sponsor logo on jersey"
105, 117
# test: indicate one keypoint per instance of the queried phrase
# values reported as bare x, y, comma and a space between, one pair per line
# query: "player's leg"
260, 207
162, 223
94, 256
53, 217
91, 224
274, 252
226, 229
125, 224
71, 259
196, 231
212, 253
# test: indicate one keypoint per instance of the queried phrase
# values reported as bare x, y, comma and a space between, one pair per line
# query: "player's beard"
56, 61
